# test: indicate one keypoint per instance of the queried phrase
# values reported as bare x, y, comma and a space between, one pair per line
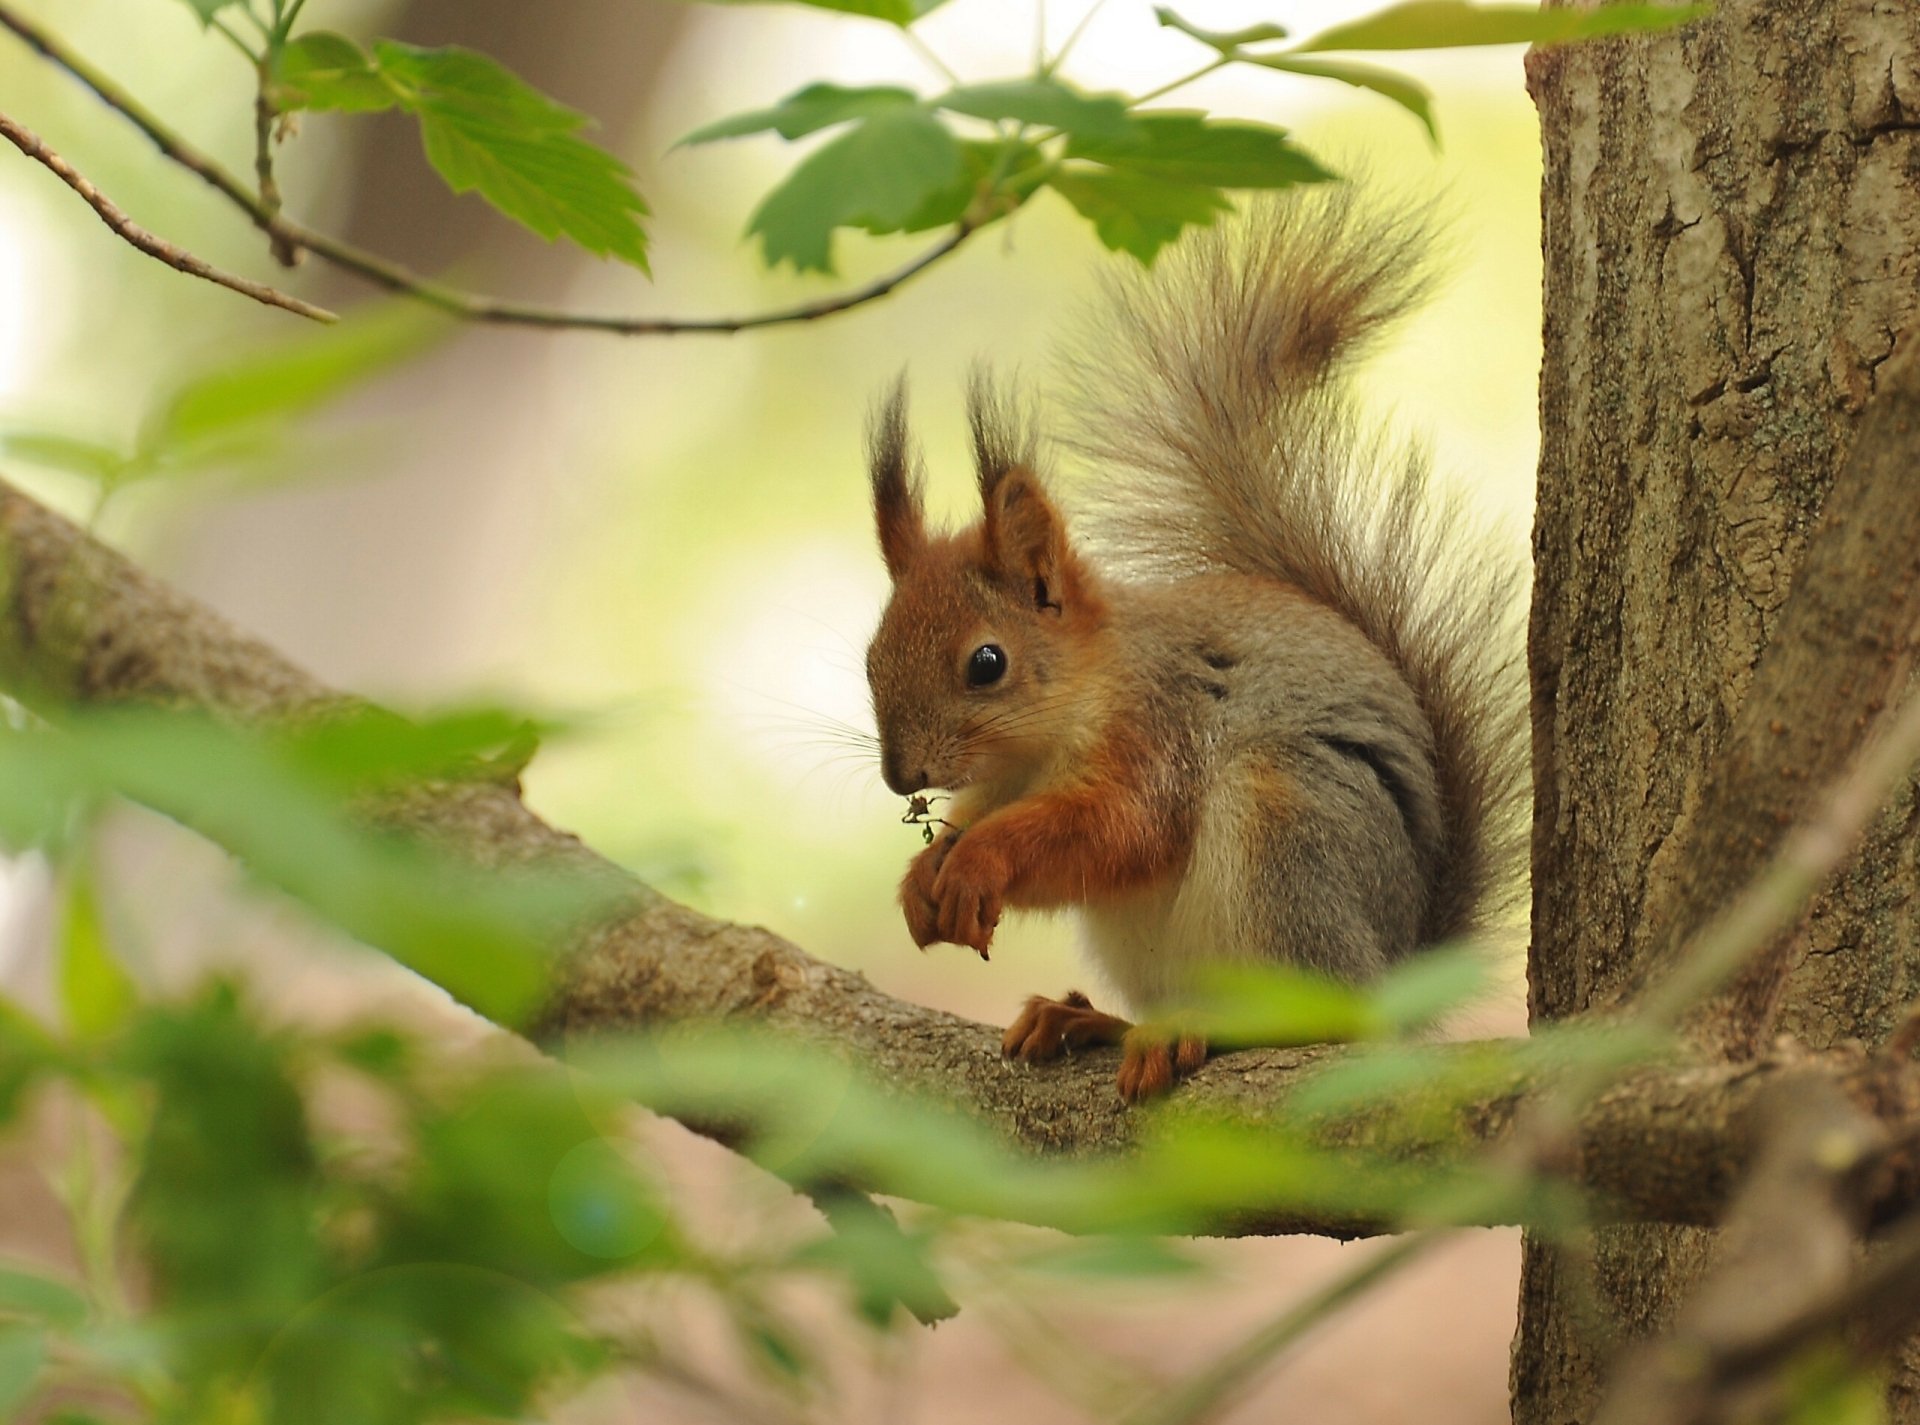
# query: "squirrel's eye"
988, 665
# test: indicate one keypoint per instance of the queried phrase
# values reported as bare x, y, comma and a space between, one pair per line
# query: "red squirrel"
1269, 712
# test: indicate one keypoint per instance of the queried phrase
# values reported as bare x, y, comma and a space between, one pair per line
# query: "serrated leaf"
878, 176
1020, 174
1223, 40
40, 1298
1134, 213
323, 70
489, 132
1181, 147
1407, 93
894, 12
286, 379
96, 993
806, 111
1046, 102
1449, 24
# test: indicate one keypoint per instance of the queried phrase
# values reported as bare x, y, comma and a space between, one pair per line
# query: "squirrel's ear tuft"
1003, 439
897, 509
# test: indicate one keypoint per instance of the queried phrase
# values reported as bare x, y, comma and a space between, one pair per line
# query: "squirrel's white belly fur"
1152, 944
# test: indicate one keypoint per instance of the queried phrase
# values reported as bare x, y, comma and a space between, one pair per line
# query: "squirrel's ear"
1026, 538
897, 509
1027, 541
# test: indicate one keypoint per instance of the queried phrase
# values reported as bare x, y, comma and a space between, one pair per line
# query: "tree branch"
177, 258
290, 238
79, 623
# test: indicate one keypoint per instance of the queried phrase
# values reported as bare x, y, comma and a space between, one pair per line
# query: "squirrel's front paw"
916, 891
968, 892
1154, 1058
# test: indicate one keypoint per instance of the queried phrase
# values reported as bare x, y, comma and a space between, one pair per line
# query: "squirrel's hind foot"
1153, 1061
1048, 1028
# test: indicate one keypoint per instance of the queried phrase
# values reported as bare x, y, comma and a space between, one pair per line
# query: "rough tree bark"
1732, 225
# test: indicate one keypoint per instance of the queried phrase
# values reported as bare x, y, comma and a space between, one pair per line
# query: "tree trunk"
1732, 230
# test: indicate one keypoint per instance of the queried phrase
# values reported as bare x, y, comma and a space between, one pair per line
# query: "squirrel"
1269, 712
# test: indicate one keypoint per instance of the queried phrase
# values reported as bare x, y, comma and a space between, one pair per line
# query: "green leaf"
286, 379
1137, 214
207, 9
1449, 24
879, 176
74, 454
323, 70
1407, 93
1043, 101
487, 131
894, 12
806, 111
1417, 992
1183, 147
1123, 1255
22, 1353
1021, 172
40, 1298
96, 994
1223, 40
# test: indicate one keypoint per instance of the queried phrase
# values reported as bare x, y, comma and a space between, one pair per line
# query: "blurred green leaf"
1186, 147
1122, 1255
480, 934
806, 111
487, 131
23, 1351
207, 9
1416, 993
1272, 1006
1446, 24
226, 1199
599, 1204
1045, 102
324, 70
1223, 40
40, 1298
894, 12
289, 378
1409, 94
367, 748
887, 1265
877, 176
74, 454
773, 1345
96, 994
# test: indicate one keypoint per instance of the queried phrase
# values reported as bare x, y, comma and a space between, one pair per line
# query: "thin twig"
395, 278
175, 257
284, 251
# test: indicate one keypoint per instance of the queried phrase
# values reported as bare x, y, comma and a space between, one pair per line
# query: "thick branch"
177, 258
80, 623
290, 238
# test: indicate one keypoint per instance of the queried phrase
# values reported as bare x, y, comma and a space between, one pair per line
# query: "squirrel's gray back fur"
1210, 399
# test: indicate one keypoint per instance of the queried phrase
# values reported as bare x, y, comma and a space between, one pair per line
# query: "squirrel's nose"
899, 781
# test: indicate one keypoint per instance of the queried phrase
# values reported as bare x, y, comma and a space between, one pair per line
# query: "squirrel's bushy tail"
1211, 390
